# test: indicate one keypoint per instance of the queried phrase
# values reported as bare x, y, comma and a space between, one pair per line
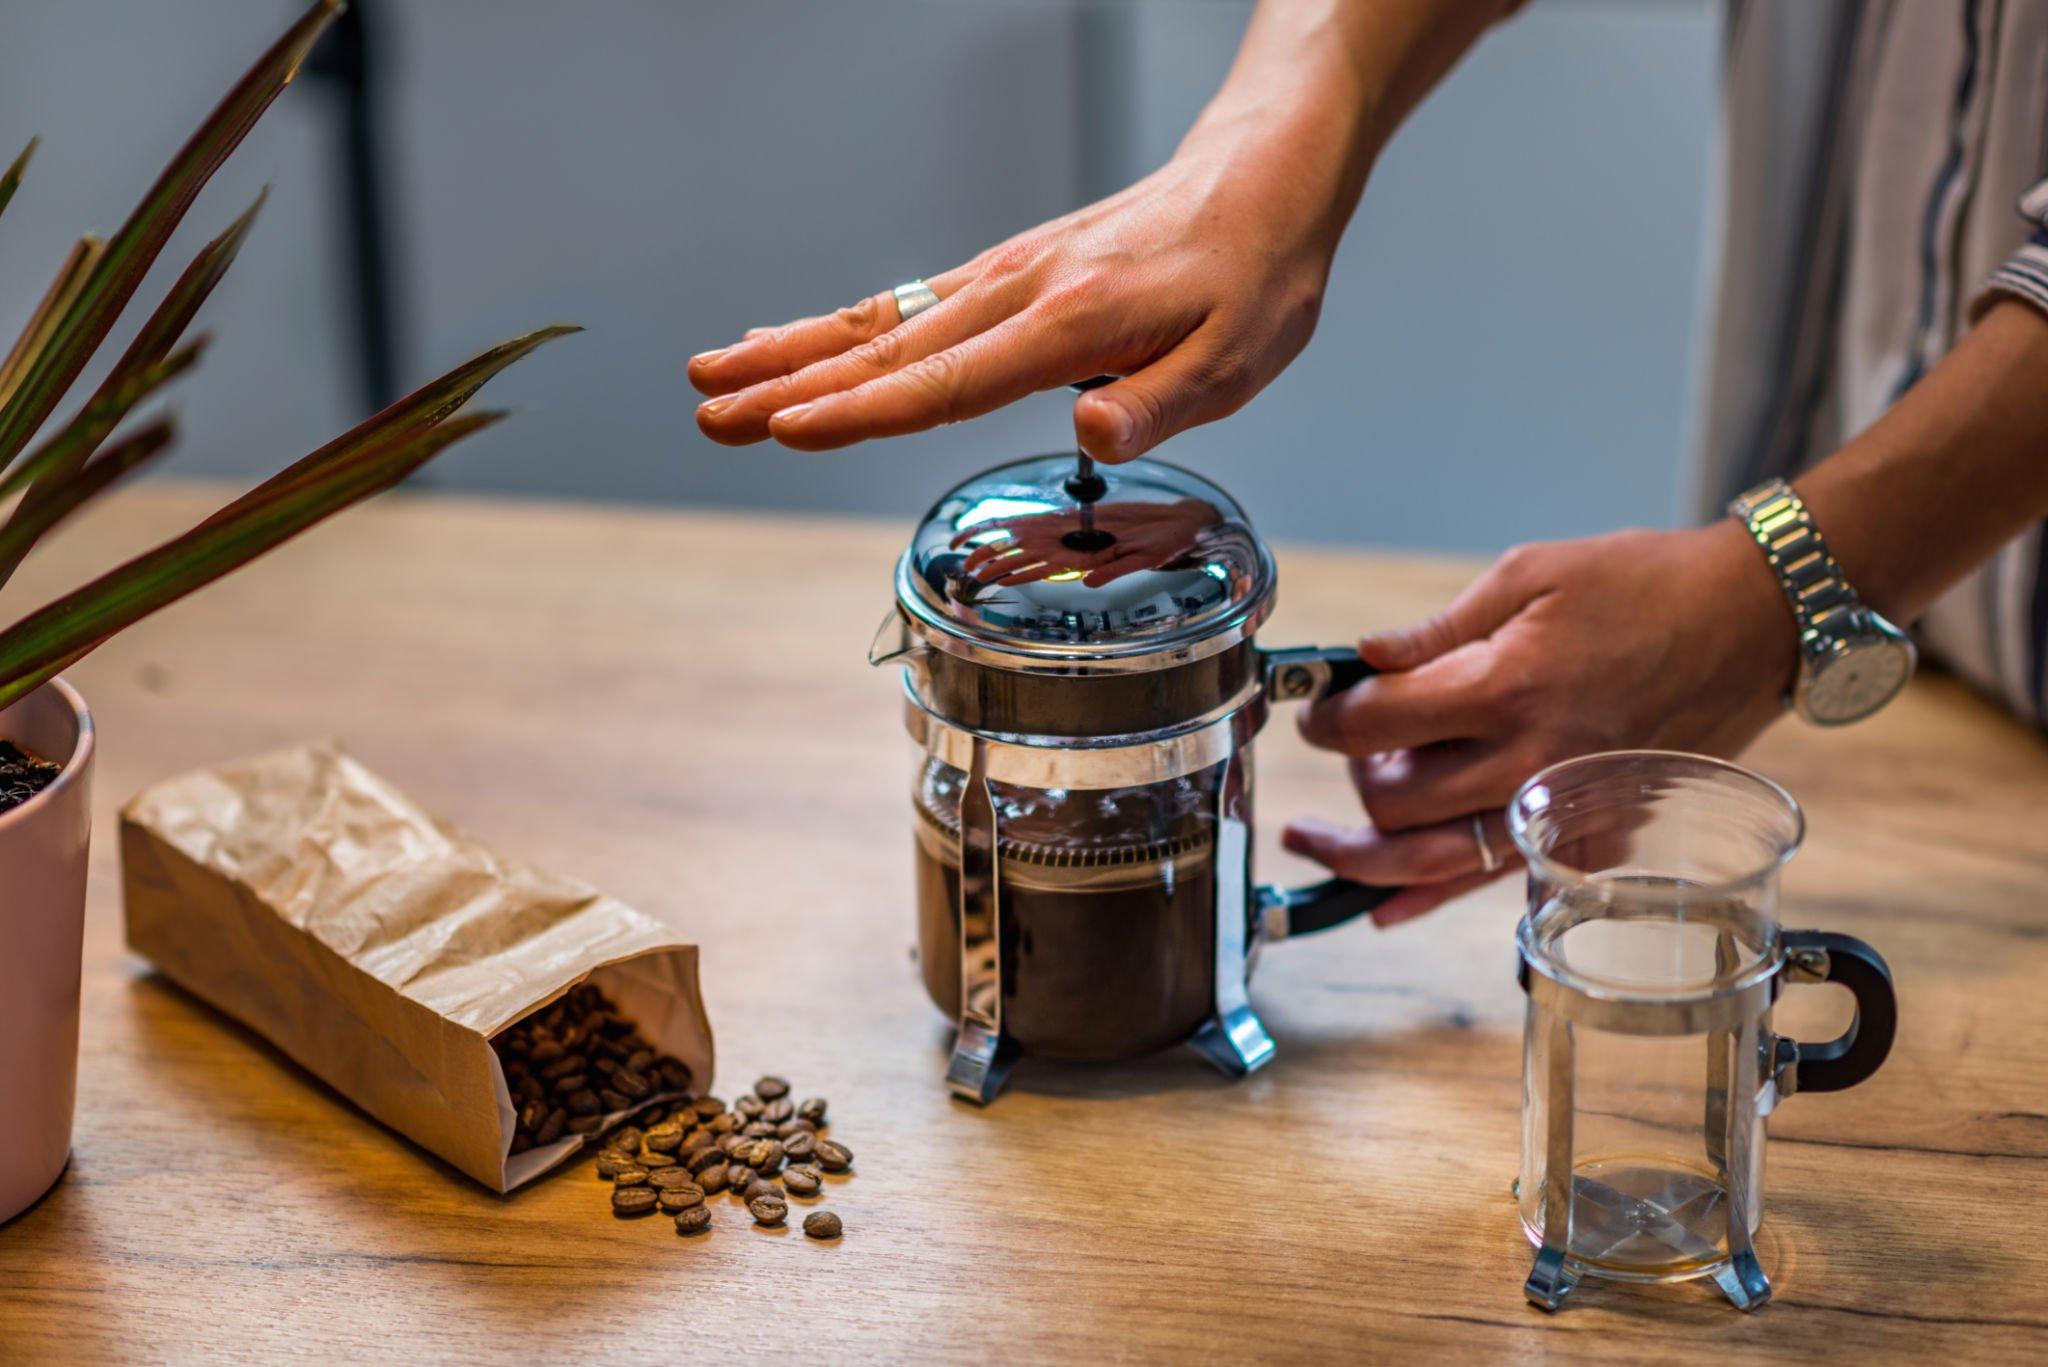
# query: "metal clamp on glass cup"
1083, 712
1651, 956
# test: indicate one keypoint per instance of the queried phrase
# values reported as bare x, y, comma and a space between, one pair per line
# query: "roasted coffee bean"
613, 1101
733, 1141
769, 1088
629, 1138
749, 1107
551, 1128
759, 1187
521, 1142
695, 1220
545, 1051
611, 1162
713, 1178
639, 1059
585, 1124
633, 1200
667, 1137
674, 1073
739, 1176
706, 1158
655, 1158
797, 1126
802, 1181
532, 1114
569, 1082
632, 1084
779, 1110
799, 1147
605, 1064
631, 1175
563, 1067
707, 1106
813, 1110
823, 1224
834, 1156
759, 1129
584, 1103
768, 1210
765, 1157
671, 1177
674, 1199
724, 1123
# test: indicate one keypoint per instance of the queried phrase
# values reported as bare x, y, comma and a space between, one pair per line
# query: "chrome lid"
1147, 563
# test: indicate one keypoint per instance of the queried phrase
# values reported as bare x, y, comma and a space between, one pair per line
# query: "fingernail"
711, 408
707, 357
1121, 427
793, 413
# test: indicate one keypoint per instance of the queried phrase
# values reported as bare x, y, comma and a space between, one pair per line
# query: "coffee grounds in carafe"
1108, 910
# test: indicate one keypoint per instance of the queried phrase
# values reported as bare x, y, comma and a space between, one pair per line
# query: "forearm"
1325, 84
1956, 468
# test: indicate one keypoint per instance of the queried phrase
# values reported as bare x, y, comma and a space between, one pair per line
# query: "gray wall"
1504, 355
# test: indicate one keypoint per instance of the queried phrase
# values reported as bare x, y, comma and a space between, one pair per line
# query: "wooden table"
676, 707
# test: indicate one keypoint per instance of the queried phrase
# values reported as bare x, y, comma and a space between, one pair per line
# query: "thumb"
1124, 420
1473, 615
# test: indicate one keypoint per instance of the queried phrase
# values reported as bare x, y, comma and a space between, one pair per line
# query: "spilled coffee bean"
764, 1148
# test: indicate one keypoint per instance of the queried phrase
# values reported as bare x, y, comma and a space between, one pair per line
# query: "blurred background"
1505, 353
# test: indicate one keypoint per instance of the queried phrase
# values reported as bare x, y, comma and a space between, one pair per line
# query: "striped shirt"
1883, 173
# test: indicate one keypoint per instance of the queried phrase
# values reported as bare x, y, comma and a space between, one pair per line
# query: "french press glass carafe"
1082, 693
1651, 955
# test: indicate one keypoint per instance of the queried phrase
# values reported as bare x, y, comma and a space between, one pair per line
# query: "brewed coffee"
1108, 911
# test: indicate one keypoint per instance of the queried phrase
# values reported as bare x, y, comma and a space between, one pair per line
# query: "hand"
1198, 285
1660, 640
1032, 546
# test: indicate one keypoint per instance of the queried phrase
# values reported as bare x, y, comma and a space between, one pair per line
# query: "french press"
1082, 692
1651, 955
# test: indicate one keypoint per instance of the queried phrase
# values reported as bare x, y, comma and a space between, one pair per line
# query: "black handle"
1860, 1050
1331, 902
1304, 676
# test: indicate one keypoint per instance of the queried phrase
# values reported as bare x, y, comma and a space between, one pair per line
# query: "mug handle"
1305, 674
1821, 956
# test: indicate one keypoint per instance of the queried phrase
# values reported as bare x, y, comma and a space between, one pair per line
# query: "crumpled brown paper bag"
311, 900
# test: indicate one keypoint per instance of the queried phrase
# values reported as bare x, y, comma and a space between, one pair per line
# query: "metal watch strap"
1822, 601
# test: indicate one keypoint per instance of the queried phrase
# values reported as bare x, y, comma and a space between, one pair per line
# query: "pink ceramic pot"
43, 847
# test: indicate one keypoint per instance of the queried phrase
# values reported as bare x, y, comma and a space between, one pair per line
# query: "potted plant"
46, 737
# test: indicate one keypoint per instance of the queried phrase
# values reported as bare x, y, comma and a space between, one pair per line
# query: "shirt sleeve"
2025, 273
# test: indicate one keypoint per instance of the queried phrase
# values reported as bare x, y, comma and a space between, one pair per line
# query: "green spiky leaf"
131, 250
10, 180
35, 649
31, 520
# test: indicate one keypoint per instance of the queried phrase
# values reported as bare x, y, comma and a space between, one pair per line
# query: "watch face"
1858, 681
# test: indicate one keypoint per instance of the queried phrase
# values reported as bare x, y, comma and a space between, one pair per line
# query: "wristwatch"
1851, 660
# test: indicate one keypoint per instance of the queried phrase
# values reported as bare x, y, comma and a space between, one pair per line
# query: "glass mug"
1651, 955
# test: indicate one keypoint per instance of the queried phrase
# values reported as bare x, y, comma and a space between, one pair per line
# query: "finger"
1446, 699
1363, 854
1182, 389
768, 353
1406, 789
743, 417
1023, 354
1486, 603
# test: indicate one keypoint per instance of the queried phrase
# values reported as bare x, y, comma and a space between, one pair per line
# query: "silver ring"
913, 299
1488, 860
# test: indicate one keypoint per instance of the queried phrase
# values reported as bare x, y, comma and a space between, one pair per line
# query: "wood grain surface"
676, 707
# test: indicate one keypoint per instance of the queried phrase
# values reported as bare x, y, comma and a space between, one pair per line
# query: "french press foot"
981, 1063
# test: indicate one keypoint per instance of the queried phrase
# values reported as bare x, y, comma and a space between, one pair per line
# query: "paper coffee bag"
380, 949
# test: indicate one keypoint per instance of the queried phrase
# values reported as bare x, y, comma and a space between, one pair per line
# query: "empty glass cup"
1651, 955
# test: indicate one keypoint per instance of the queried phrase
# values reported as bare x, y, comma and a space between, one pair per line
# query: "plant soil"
22, 776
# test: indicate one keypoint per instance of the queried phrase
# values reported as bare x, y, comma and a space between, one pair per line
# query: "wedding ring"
913, 299
1488, 860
